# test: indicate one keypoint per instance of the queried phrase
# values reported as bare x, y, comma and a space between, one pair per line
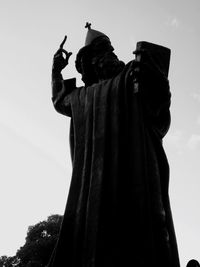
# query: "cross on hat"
92, 34
88, 25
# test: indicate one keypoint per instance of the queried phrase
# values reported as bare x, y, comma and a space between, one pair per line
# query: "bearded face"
104, 61
107, 65
97, 61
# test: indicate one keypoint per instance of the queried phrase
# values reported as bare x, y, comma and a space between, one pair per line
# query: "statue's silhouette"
118, 210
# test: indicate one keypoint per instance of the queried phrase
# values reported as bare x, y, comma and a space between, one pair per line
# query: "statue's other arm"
158, 102
154, 91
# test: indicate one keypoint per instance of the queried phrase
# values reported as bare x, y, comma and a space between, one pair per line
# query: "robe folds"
118, 210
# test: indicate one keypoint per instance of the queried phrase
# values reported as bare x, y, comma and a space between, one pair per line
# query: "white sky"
35, 160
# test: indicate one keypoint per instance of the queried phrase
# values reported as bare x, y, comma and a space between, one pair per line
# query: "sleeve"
156, 100
61, 90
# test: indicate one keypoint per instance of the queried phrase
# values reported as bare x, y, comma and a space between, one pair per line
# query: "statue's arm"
157, 100
160, 107
60, 88
155, 95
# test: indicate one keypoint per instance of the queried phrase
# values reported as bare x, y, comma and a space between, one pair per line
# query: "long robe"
118, 211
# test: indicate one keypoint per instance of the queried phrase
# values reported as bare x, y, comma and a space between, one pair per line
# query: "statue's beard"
109, 66
110, 70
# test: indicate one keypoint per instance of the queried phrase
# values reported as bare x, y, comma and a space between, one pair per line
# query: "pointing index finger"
63, 42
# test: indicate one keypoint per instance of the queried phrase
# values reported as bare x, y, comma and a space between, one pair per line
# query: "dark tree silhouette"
40, 241
6, 261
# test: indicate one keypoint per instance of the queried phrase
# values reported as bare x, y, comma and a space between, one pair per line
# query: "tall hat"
92, 47
92, 34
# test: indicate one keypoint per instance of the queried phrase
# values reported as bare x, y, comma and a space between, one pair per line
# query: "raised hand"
60, 61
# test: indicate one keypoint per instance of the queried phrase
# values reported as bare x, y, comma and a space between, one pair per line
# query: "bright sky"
35, 159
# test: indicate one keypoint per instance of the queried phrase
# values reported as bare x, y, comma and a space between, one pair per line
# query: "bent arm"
61, 90
156, 99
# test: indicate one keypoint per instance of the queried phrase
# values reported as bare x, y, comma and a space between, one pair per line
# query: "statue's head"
193, 263
96, 60
83, 65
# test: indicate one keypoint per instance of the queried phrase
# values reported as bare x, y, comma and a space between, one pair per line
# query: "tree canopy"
40, 241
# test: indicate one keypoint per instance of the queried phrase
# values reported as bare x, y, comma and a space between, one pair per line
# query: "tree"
40, 241
6, 261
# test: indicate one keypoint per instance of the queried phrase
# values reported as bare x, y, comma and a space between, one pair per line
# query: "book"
159, 54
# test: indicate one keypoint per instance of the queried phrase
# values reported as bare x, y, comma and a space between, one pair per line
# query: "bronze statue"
118, 211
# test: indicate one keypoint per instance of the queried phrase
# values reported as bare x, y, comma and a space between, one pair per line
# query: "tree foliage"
6, 261
40, 241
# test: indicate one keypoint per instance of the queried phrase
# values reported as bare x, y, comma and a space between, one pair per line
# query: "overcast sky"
35, 168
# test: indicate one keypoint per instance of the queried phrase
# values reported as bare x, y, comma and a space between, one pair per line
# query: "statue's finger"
63, 42
67, 54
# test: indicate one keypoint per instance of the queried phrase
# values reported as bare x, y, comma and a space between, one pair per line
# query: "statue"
118, 209
193, 263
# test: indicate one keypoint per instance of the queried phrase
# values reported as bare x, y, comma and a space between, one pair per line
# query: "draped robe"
118, 210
